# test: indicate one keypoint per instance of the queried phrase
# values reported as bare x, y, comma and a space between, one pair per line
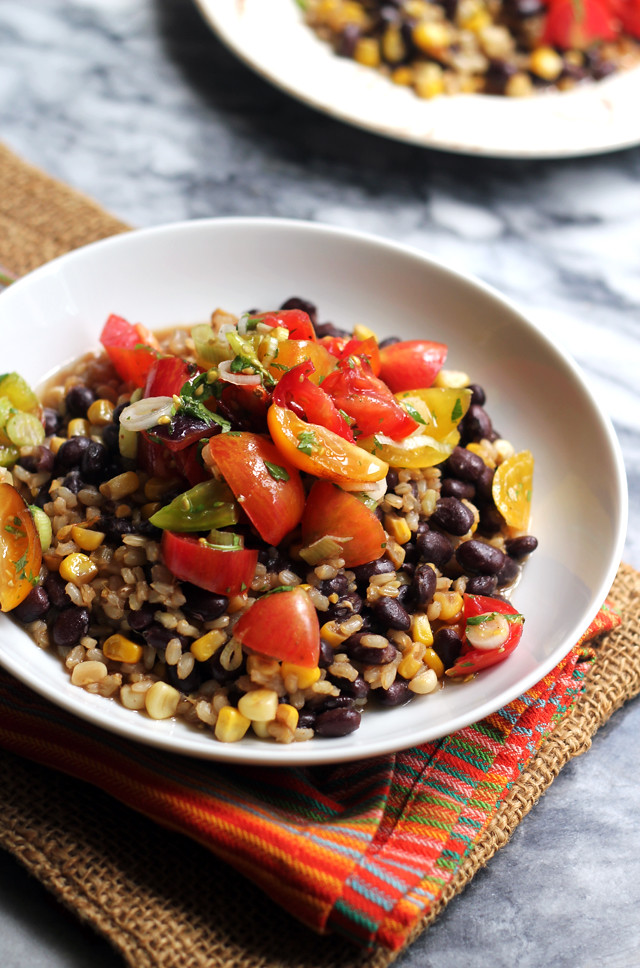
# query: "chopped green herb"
307, 442
241, 363
456, 413
277, 472
413, 413
490, 616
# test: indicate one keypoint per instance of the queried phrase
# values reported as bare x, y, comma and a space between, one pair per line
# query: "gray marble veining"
137, 104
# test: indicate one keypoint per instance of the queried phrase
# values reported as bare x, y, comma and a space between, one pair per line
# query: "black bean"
185, 426
94, 462
482, 585
337, 722
405, 593
508, 573
73, 481
397, 694
452, 515
464, 465
141, 618
42, 497
484, 484
78, 400
348, 605
434, 547
55, 588
158, 637
522, 546
367, 654
424, 584
70, 626
392, 478
113, 528
382, 566
411, 553
111, 438
359, 688
475, 425
326, 654
202, 605
295, 302
306, 719
337, 585
391, 614
389, 341
480, 558
34, 606
222, 675
51, 420
452, 487
491, 521
115, 416
447, 644
190, 683
328, 329
335, 702
275, 560
477, 394
70, 453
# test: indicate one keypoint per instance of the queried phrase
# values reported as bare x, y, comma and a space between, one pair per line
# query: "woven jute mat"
160, 899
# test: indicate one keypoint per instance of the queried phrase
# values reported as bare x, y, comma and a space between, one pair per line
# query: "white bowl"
177, 274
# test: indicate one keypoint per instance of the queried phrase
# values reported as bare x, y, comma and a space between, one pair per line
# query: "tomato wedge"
20, 549
282, 625
479, 608
167, 376
411, 364
292, 352
309, 401
359, 350
295, 320
331, 511
223, 571
266, 485
318, 451
368, 401
132, 349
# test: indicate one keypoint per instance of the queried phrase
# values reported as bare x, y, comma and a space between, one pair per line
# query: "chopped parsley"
277, 472
456, 413
413, 413
516, 619
307, 442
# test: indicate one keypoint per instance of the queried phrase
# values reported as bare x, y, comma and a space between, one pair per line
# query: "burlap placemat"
159, 898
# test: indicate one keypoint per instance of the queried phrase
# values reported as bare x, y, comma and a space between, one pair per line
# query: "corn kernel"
456, 379
430, 36
363, 332
433, 660
260, 729
428, 81
56, 443
86, 539
367, 52
519, 85
259, 705
477, 22
332, 634
306, 676
86, 673
120, 486
424, 683
120, 649
546, 63
409, 666
421, 629
208, 644
393, 50
450, 605
78, 427
231, 725
148, 510
398, 528
402, 76
161, 700
288, 715
100, 413
78, 568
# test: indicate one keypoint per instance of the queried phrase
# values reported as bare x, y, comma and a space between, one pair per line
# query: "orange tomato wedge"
512, 485
291, 352
20, 549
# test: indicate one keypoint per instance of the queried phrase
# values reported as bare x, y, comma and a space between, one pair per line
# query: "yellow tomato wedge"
512, 485
441, 408
20, 549
315, 450
418, 450
291, 352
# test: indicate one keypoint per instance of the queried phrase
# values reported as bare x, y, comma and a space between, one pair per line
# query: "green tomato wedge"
24, 430
20, 394
205, 507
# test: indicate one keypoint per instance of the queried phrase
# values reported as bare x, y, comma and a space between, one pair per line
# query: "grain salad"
263, 524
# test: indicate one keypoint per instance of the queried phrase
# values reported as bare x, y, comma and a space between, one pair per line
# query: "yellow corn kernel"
478, 21
433, 660
546, 63
208, 644
288, 715
402, 76
304, 587
120, 649
86, 539
428, 81
455, 379
421, 629
519, 85
260, 729
398, 528
305, 675
393, 46
332, 634
231, 725
409, 666
430, 36
450, 605
78, 427
260, 705
120, 486
161, 700
424, 683
86, 673
367, 52
363, 332
56, 443
78, 568
482, 451
100, 413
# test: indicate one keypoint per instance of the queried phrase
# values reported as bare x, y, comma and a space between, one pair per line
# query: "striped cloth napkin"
364, 849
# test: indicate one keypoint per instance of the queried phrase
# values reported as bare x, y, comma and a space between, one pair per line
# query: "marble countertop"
135, 103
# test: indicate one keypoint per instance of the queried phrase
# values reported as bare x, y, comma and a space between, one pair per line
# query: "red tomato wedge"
362, 350
292, 352
368, 401
572, 25
472, 659
245, 406
267, 487
412, 364
309, 401
225, 572
282, 625
295, 320
20, 549
132, 349
167, 376
331, 511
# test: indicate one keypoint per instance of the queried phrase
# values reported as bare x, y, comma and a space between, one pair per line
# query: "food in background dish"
263, 524
509, 47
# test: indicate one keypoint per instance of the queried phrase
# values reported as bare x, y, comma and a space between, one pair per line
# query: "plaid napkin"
363, 849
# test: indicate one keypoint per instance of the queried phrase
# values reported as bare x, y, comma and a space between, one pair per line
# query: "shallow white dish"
273, 40
178, 274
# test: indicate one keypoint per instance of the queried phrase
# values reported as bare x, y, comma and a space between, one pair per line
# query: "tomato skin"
292, 352
329, 456
330, 510
20, 549
360, 350
246, 407
309, 401
411, 364
167, 376
189, 464
568, 25
368, 401
224, 572
122, 342
274, 507
295, 320
282, 625
474, 660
